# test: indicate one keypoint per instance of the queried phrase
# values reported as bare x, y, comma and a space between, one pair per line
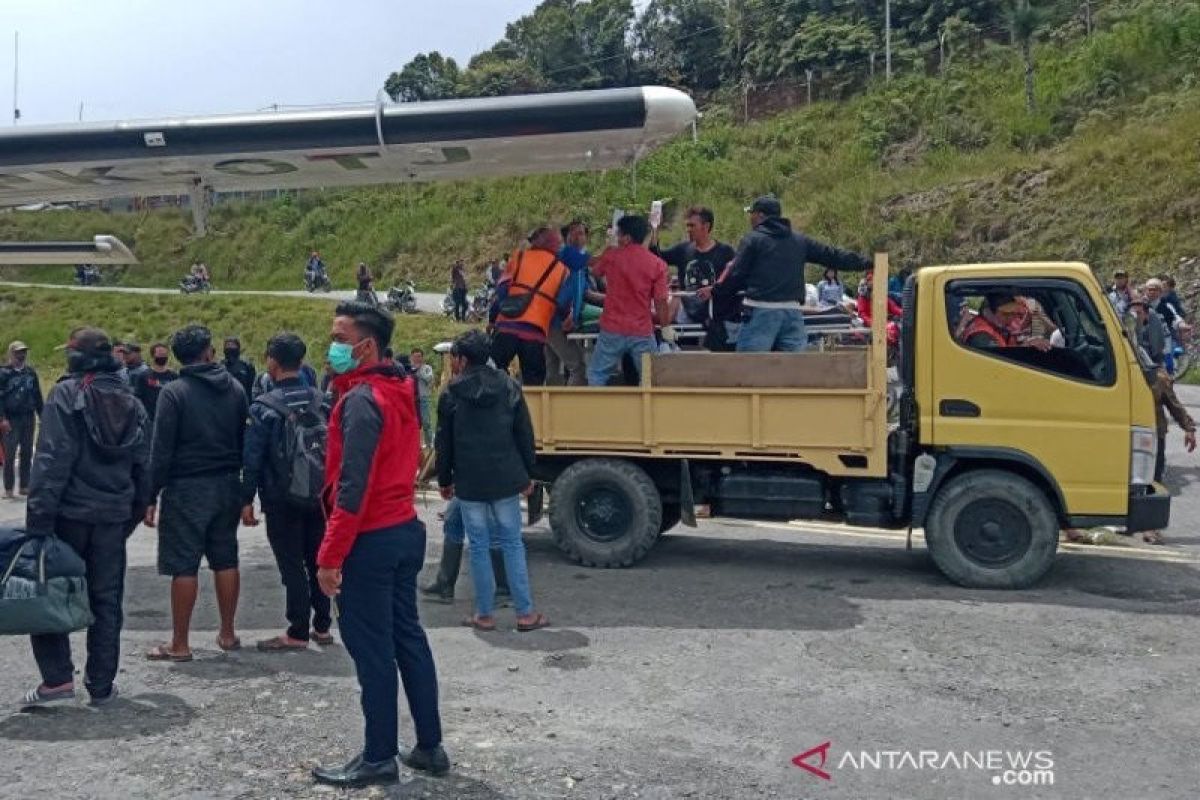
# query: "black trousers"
460, 304
382, 632
102, 547
295, 536
506, 347
1160, 460
19, 439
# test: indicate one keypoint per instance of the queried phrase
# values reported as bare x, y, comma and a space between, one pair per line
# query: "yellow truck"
996, 448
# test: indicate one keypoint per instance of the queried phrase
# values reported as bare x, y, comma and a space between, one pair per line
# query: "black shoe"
99, 701
434, 761
437, 592
442, 589
358, 773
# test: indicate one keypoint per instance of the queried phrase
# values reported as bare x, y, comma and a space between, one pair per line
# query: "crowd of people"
332, 469
751, 298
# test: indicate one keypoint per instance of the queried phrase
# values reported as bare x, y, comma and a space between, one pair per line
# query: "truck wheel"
992, 530
671, 514
606, 513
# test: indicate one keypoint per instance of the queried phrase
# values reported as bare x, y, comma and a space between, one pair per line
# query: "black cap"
766, 204
92, 342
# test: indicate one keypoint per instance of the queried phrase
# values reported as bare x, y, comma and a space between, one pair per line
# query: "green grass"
932, 169
42, 318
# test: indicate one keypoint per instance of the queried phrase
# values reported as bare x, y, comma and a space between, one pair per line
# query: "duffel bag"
43, 588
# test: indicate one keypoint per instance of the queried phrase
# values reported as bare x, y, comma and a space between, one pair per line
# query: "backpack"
298, 456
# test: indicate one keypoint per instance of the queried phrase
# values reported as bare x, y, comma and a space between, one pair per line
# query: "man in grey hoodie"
769, 268
196, 463
90, 487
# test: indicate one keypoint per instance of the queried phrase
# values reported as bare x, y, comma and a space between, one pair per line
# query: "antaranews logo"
1006, 767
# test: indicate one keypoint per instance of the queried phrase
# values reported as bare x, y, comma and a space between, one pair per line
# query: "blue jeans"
773, 329
381, 631
610, 349
499, 519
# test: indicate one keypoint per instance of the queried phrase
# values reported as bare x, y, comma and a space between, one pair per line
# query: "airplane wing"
339, 146
101, 250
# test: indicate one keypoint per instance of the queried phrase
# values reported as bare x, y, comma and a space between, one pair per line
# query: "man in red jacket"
374, 546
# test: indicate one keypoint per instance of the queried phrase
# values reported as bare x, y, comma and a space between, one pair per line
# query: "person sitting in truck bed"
769, 267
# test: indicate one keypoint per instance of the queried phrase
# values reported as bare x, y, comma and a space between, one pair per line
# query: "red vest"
388, 500
981, 325
527, 267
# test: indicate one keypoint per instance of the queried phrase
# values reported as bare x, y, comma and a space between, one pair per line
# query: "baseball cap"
766, 204
132, 346
1120, 274
17, 346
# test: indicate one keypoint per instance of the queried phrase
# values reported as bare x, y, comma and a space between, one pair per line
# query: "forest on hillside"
709, 46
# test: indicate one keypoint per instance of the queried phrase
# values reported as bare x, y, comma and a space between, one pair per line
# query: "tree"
427, 77
680, 42
1024, 19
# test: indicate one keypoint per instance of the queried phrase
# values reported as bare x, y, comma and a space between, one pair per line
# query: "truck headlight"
1143, 452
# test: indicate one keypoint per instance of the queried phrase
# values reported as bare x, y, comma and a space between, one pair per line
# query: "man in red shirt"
636, 278
374, 546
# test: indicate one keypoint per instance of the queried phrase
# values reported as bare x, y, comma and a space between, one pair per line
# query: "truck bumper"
1149, 510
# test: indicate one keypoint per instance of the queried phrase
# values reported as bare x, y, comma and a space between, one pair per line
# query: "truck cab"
1024, 409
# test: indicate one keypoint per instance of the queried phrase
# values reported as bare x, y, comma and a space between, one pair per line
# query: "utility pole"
887, 37
808, 74
81, 111
943, 36
1087, 17
16, 64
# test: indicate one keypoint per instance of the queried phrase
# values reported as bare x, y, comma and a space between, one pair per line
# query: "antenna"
16, 64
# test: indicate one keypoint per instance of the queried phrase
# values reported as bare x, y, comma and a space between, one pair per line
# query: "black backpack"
298, 457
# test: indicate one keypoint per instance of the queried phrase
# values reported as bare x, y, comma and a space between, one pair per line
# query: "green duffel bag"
43, 588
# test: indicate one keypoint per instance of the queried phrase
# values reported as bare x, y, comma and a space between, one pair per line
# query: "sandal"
539, 621
480, 623
280, 644
324, 639
161, 653
1153, 537
229, 647
1074, 535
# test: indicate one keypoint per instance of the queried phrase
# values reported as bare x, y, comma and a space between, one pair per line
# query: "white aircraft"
101, 250
338, 146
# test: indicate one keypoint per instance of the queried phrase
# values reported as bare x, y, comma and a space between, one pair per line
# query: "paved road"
701, 673
428, 302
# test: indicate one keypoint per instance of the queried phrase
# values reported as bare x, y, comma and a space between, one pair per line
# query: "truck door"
1025, 370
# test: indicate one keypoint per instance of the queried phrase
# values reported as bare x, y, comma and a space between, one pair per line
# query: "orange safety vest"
982, 324
528, 267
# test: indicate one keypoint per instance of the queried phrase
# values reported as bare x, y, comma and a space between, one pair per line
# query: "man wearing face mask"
196, 463
20, 406
374, 546
149, 384
242, 371
90, 487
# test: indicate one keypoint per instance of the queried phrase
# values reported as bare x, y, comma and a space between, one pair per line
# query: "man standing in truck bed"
769, 268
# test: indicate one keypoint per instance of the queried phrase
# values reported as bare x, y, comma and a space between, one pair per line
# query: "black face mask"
160, 361
232, 354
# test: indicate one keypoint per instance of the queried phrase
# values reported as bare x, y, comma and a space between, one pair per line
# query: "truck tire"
671, 514
606, 512
991, 529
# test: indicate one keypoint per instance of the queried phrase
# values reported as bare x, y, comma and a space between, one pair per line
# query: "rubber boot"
501, 574
442, 589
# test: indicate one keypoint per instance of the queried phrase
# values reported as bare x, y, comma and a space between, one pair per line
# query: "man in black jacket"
149, 384
242, 371
90, 487
484, 456
195, 463
20, 406
294, 528
769, 268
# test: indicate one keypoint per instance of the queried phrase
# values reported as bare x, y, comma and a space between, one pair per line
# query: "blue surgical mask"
341, 357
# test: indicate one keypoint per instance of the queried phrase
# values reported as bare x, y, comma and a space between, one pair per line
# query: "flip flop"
480, 623
539, 621
236, 644
161, 653
1153, 537
280, 645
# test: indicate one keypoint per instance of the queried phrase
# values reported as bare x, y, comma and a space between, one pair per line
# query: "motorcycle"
87, 275
403, 298
367, 296
193, 285
448, 303
317, 282
481, 303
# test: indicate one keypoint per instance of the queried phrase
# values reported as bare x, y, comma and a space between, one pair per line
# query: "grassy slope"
932, 169
42, 318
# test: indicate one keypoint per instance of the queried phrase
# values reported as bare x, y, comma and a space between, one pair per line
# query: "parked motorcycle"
193, 285
87, 275
317, 282
403, 298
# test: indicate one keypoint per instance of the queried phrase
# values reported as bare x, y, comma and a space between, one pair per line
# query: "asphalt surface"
427, 302
702, 673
